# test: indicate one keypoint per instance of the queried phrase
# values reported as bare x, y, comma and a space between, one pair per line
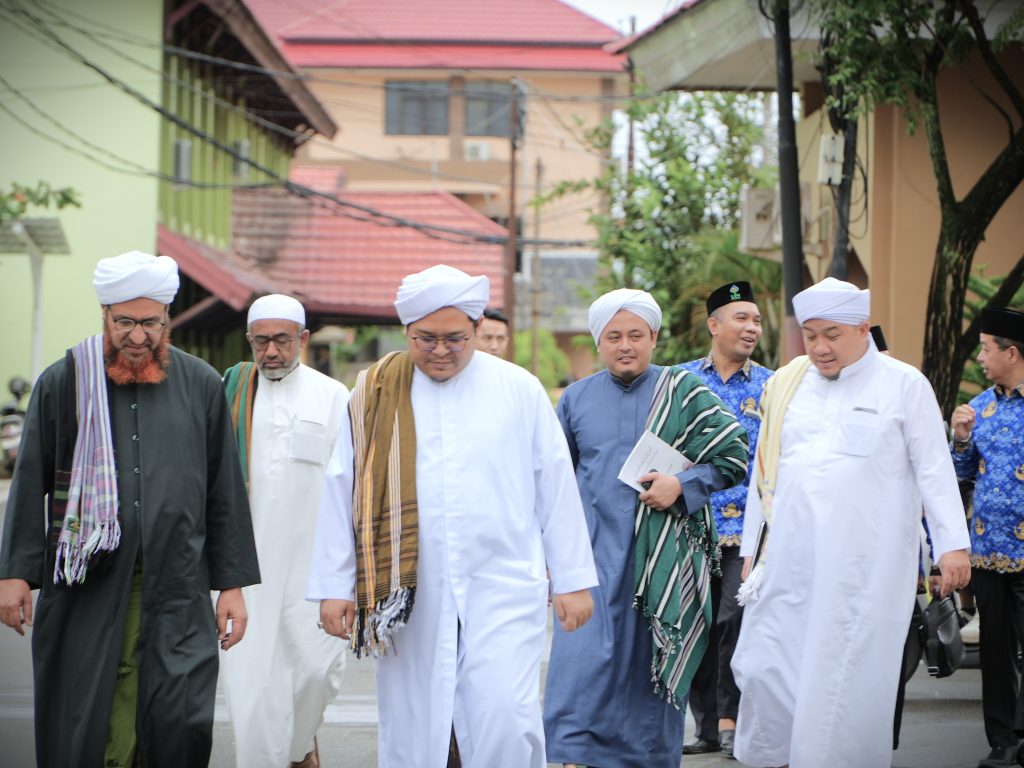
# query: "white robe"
286, 671
498, 503
819, 653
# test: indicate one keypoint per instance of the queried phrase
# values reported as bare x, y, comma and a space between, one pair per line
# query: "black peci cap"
879, 337
728, 293
1005, 323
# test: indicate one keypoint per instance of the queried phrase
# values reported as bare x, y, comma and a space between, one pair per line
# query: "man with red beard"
128, 442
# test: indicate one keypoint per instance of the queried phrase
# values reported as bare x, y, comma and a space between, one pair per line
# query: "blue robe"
599, 703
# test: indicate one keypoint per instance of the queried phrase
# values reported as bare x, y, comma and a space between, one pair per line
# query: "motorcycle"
12, 420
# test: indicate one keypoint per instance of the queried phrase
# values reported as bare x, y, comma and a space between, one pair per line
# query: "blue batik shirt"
742, 395
994, 458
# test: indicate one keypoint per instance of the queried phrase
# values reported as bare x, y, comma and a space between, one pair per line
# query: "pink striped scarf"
90, 528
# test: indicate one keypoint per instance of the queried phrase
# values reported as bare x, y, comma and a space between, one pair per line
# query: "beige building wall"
560, 109
896, 235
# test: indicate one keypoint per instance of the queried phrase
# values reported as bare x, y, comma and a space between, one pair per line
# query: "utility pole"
789, 181
627, 267
535, 273
514, 134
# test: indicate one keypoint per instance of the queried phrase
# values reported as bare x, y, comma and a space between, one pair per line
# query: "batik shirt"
994, 458
742, 395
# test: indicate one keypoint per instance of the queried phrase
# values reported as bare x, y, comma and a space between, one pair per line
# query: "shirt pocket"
859, 430
309, 441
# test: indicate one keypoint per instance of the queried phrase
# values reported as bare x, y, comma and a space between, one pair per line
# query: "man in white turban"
287, 417
128, 451
851, 444
613, 688
449, 500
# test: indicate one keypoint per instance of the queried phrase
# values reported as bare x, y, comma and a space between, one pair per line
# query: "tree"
15, 204
670, 224
892, 52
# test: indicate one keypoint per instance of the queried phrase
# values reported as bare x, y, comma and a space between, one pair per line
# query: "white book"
651, 454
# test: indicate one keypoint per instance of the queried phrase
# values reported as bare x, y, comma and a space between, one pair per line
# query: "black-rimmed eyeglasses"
429, 343
282, 341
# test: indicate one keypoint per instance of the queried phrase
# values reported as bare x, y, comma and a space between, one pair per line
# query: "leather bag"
944, 647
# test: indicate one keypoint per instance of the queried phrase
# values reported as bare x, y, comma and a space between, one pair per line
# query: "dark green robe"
184, 518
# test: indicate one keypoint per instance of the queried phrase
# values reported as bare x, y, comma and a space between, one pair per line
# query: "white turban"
640, 303
834, 300
438, 287
136, 275
276, 306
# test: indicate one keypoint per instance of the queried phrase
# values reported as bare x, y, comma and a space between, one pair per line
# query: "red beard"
122, 369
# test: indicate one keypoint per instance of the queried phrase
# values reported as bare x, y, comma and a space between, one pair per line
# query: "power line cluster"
43, 30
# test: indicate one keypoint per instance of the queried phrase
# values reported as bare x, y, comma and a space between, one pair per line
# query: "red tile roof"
523, 21
337, 265
416, 34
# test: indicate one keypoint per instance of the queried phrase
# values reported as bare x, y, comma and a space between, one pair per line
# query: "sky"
616, 13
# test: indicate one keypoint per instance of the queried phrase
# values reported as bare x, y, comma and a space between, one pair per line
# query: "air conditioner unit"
476, 151
757, 216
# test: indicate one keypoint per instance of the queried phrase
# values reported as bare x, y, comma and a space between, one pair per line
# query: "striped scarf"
90, 529
778, 392
385, 514
676, 549
240, 387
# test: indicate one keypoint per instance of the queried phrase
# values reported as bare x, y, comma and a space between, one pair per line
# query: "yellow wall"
896, 236
554, 133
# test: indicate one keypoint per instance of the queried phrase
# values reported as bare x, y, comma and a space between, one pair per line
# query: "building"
428, 94
728, 44
155, 113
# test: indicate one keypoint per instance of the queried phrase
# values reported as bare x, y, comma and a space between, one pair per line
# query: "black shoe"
700, 746
1020, 755
999, 757
727, 739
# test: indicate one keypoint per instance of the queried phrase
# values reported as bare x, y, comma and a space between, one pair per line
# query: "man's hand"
573, 609
962, 422
955, 566
662, 492
338, 617
15, 604
231, 606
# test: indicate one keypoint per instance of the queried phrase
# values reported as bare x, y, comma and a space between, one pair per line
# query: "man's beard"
122, 369
276, 374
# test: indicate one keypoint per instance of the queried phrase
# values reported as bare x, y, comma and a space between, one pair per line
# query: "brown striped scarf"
384, 509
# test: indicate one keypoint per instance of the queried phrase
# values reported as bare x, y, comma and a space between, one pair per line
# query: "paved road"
942, 721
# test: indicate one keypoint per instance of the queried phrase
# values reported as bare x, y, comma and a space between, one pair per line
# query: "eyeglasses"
429, 343
127, 325
282, 341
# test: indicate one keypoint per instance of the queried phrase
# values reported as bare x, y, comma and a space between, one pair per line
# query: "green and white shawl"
676, 550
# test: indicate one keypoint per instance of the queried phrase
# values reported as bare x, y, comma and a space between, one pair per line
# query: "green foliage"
552, 364
14, 204
671, 225
888, 51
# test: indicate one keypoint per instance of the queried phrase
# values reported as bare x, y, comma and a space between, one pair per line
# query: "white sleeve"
924, 433
559, 510
752, 517
332, 573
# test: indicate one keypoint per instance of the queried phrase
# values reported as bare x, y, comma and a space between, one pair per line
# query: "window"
487, 108
416, 107
239, 163
183, 161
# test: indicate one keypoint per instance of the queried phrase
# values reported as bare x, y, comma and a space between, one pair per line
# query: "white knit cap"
438, 287
640, 303
834, 300
276, 306
136, 275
